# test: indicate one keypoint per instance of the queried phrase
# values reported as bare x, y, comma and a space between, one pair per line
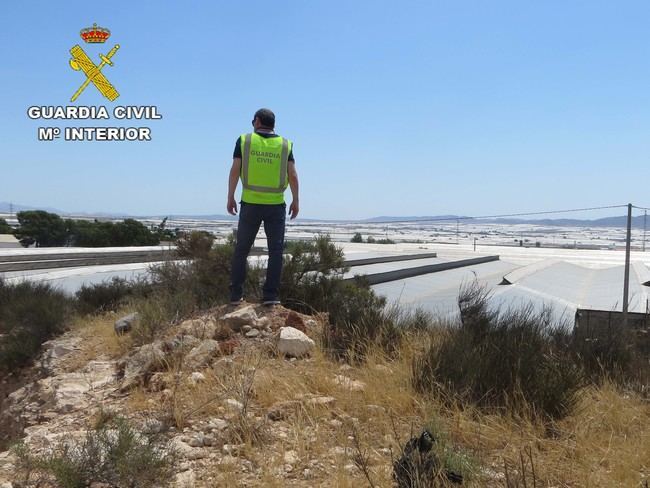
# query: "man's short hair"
267, 118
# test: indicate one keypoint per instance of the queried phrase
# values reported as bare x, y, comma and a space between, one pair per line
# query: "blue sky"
395, 108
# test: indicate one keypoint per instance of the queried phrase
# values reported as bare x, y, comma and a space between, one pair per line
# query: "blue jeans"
251, 215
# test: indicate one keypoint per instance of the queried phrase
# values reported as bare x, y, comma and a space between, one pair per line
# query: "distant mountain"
385, 218
5, 207
621, 221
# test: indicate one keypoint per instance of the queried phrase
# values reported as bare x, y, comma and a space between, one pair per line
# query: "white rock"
262, 323
234, 405
251, 334
232, 449
321, 401
294, 343
349, 383
197, 377
201, 329
291, 457
125, 324
202, 354
217, 423
146, 360
186, 479
238, 318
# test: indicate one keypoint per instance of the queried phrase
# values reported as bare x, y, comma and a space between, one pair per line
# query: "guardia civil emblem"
81, 62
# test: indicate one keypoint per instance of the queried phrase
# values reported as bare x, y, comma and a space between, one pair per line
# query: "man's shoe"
236, 302
270, 303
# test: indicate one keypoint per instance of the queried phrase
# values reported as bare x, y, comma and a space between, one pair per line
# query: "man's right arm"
294, 208
233, 179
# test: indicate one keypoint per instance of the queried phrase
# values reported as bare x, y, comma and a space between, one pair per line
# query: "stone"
186, 451
335, 423
246, 328
197, 377
196, 441
125, 324
199, 328
217, 424
291, 457
349, 383
233, 405
321, 401
153, 426
296, 321
294, 343
262, 323
232, 449
182, 342
157, 382
253, 333
209, 440
146, 360
186, 479
283, 410
202, 354
243, 316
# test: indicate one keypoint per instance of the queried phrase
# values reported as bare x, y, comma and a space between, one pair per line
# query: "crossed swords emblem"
93, 72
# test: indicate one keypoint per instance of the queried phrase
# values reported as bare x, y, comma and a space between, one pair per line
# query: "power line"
496, 216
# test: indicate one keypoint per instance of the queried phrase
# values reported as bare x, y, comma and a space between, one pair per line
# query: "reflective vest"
264, 168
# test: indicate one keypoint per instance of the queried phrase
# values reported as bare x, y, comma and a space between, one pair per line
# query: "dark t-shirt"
237, 152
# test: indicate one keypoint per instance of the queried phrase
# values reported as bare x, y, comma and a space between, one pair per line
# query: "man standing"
265, 163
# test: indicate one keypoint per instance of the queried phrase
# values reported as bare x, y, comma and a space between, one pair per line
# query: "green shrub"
109, 295
313, 281
515, 358
30, 314
115, 453
357, 237
5, 228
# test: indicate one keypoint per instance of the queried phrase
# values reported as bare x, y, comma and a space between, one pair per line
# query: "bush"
5, 228
313, 281
115, 453
357, 237
513, 358
384, 241
109, 295
30, 314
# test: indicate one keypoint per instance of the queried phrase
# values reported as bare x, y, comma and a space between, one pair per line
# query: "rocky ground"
246, 396
222, 387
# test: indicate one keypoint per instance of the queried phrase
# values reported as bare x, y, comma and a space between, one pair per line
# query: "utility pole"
457, 229
645, 218
626, 279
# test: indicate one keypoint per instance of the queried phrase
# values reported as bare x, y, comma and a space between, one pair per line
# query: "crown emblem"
95, 34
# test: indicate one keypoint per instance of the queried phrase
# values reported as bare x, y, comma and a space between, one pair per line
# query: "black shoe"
270, 303
236, 302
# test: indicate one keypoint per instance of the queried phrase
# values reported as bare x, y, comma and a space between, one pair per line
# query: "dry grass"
98, 339
604, 442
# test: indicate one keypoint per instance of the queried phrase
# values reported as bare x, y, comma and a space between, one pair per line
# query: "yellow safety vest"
264, 171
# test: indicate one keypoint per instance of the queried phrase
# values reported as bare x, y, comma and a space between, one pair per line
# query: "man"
266, 165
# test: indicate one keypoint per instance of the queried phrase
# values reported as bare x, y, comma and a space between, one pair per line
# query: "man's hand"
294, 208
232, 206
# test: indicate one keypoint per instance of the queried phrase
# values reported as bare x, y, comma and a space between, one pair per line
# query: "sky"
395, 108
